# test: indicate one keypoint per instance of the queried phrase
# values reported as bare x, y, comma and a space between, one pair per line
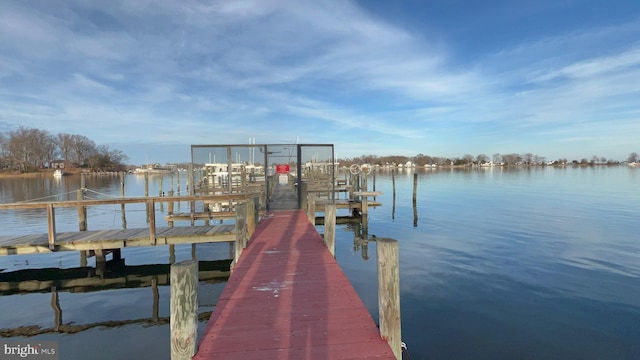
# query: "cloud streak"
183, 72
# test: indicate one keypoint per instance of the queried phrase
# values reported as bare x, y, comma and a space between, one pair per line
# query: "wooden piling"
415, 205
122, 206
146, 184
311, 207
151, 210
184, 309
393, 182
251, 216
241, 230
82, 212
51, 220
389, 294
330, 227
415, 186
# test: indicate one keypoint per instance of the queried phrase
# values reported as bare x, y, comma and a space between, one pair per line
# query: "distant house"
57, 164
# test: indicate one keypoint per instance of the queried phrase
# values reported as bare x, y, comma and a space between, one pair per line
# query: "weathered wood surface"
389, 293
184, 309
287, 298
114, 239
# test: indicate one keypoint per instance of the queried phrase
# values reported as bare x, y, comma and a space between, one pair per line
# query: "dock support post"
83, 258
146, 184
415, 186
311, 208
51, 219
415, 207
151, 210
122, 206
304, 195
251, 216
389, 294
241, 230
184, 309
82, 211
330, 227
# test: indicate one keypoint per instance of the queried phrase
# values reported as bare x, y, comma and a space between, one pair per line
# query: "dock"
287, 298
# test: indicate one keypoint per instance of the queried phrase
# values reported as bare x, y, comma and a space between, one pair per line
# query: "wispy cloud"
186, 71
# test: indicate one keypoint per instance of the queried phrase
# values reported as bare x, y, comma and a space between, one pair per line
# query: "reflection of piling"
55, 304
156, 299
389, 293
184, 309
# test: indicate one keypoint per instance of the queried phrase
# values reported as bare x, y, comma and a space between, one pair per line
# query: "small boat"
58, 173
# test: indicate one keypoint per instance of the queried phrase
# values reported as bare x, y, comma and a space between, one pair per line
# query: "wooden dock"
114, 239
98, 240
287, 298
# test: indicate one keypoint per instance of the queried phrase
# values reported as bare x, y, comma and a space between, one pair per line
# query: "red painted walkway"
287, 298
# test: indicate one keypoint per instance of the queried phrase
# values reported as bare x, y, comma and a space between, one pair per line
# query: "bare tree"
528, 158
482, 158
83, 148
5, 160
511, 159
633, 157
65, 144
497, 158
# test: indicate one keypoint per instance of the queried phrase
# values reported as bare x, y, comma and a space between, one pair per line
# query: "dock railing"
149, 201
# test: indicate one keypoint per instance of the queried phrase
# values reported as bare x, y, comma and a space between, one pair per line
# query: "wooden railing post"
151, 210
184, 309
330, 227
51, 220
389, 294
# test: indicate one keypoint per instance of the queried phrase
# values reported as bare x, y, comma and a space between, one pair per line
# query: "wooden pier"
287, 298
99, 241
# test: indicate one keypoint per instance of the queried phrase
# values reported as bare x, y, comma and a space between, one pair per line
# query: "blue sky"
442, 77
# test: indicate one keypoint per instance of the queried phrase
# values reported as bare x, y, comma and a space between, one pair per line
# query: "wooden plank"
368, 193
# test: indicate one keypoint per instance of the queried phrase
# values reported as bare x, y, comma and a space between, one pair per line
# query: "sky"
556, 78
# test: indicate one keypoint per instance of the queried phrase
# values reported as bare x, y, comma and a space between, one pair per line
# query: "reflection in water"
116, 275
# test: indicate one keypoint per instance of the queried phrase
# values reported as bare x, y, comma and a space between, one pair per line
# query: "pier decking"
287, 298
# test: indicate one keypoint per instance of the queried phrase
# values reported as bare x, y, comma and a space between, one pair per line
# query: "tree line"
528, 159
28, 149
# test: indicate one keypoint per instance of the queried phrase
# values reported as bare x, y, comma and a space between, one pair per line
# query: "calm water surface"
498, 264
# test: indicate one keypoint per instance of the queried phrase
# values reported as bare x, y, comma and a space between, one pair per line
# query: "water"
540, 263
